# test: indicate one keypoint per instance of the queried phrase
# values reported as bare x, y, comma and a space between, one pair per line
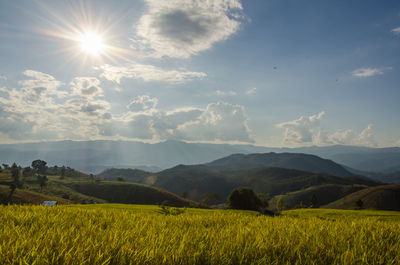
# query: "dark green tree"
359, 204
15, 183
280, 204
120, 179
62, 172
314, 201
244, 198
42, 181
40, 166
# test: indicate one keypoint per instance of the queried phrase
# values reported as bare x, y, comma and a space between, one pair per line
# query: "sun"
92, 43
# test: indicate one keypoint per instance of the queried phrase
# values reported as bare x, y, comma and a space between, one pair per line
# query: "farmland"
136, 234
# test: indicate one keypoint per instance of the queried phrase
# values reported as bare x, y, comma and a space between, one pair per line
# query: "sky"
277, 73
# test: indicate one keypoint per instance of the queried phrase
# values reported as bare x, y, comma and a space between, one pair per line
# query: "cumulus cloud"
179, 28
39, 85
396, 31
146, 73
307, 130
217, 122
142, 103
225, 93
367, 72
302, 129
86, 86
220, 121
251, 91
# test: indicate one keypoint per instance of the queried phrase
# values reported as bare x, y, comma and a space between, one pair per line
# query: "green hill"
324, 194
131, 175
384, 197
130, 193
223, 175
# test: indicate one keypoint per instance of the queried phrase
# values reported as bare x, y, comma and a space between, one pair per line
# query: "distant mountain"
96, 156
385, 197
305, 162
254, 170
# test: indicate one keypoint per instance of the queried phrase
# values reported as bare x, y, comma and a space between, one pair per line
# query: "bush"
244, 198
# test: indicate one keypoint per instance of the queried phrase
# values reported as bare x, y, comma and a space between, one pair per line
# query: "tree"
39, 166
15, 180
6, 166
314, 201
120, 179
42, 181
244, 198
27, 172
359, 204
15, 174
280, 204
210, 197
62, 173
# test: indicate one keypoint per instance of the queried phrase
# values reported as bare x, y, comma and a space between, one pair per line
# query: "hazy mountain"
95, 156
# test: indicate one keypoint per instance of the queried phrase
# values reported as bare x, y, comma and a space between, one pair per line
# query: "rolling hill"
324, 194
254, 170
384, 197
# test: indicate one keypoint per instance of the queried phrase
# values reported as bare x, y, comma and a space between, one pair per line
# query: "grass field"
135, 234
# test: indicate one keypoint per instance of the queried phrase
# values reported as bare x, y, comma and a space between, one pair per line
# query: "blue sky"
271, 73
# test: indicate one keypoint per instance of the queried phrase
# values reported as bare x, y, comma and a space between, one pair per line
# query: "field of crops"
121, 234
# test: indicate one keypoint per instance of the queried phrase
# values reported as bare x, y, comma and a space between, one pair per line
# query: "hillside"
28, 197
324, 194
384, 197
130, 193
304, 162
81, 188
254, 170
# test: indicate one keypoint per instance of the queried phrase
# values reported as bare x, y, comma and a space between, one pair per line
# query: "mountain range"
95, 156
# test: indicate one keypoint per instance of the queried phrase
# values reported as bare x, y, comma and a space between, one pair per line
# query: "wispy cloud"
251, 91
225, 93
180, 28
367, 72
396, 31
3, 78
146, 73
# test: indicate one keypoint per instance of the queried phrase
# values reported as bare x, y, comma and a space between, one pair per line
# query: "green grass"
137, 234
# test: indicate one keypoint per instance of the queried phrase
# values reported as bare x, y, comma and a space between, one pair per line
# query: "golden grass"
119, 234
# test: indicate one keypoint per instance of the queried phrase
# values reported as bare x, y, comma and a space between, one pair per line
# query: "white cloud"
180, 28
3, 78
86, 87
147, 73
367, 72
251, 91
302, 129
396, 30
39, 85
307, 130
225, 93
220, 121
142, 103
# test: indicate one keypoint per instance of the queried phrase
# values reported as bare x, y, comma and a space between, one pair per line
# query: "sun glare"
92, 43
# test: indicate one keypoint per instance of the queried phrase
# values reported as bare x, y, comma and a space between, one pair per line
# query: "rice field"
132, 234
